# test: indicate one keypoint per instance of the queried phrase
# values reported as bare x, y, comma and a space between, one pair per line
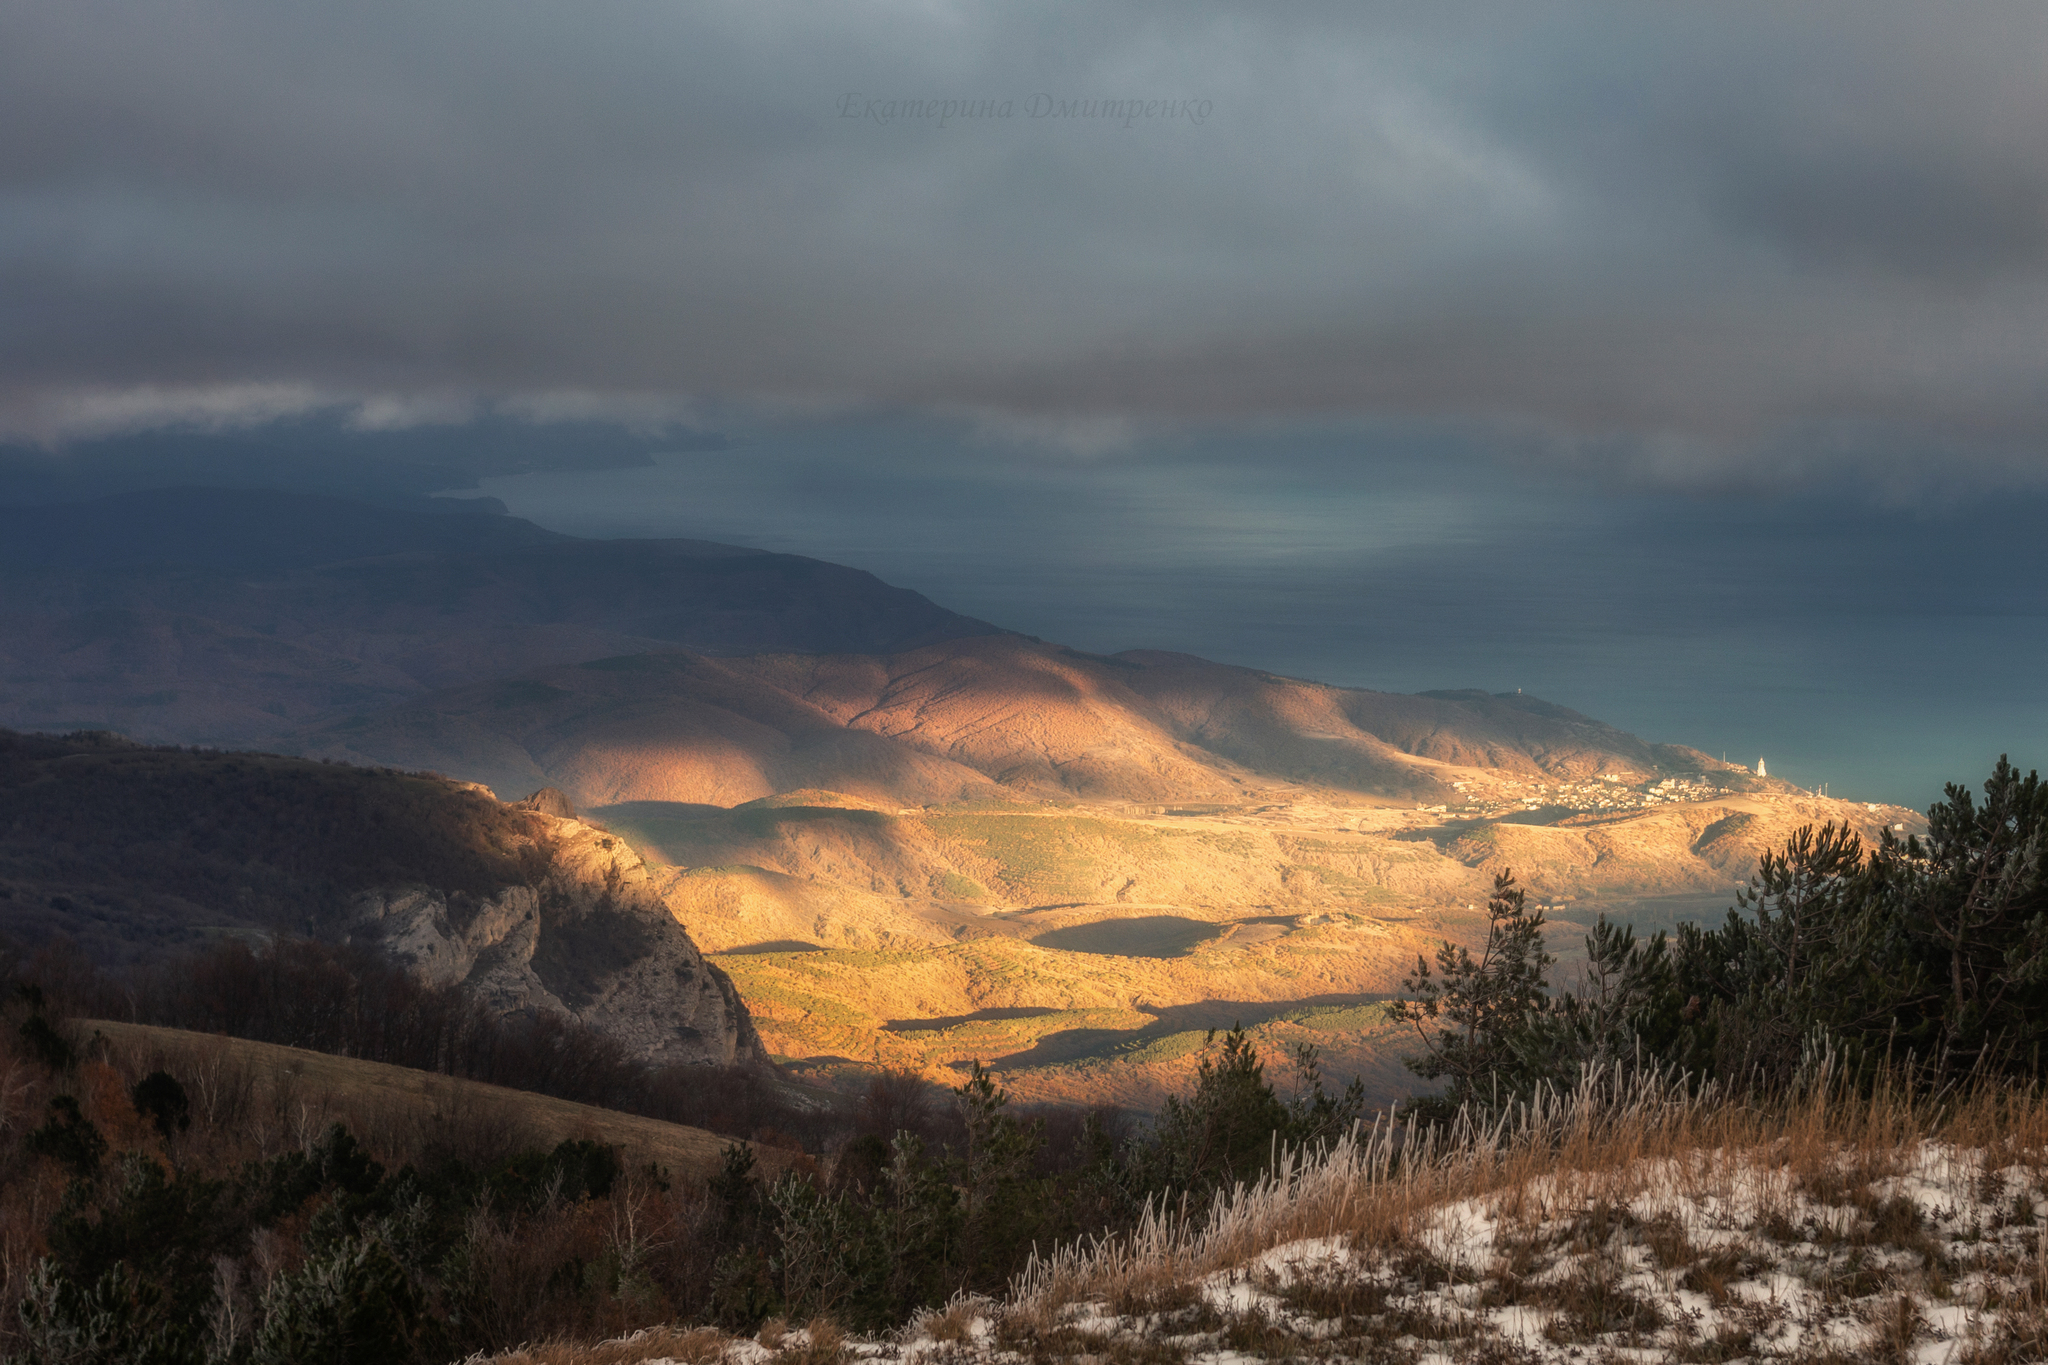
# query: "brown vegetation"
381, 1103
1632, 1222
942, 935
252, 1106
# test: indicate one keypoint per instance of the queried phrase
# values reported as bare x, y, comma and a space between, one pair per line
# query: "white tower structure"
1760, 769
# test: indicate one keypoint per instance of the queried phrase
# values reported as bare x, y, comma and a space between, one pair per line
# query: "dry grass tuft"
692, 1346
955, 1322
819, 1343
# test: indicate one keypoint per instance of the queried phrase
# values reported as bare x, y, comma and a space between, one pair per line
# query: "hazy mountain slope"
241, 616
973, 718
645, 727
233, 617
1365, 740
241, 531
130, 851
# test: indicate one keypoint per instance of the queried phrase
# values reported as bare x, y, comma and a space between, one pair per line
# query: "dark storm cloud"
1665, 240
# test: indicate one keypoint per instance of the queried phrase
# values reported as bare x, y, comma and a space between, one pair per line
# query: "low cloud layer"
1686, 244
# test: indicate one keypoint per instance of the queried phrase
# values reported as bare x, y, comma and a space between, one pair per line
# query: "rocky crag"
590, 938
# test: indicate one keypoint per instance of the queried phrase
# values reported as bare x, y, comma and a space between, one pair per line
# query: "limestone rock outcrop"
590, 938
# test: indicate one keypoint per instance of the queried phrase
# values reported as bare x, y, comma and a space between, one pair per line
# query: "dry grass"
956, 1321
294, 1095
1621, 1219
687, 1345
1624, 1221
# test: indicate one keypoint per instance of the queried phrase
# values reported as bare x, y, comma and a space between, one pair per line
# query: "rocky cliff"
590, 938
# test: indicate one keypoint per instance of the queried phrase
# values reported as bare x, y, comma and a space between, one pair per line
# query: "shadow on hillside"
1144, 936
1083, 1044
681, 832
630, 812
954, 1021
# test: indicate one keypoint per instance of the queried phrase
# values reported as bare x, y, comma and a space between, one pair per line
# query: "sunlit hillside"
1084, 950
1073, 866
979, 718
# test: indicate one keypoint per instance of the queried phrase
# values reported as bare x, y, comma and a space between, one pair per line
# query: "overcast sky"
1733, 255
1678, 238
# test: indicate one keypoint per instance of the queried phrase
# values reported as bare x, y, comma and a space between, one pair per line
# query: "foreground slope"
340, 1089
131, 852
1658, 1230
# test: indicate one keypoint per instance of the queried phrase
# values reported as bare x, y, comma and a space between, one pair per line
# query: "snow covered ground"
1655, 1229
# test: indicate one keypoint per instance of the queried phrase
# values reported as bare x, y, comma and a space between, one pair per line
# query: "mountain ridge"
986, 717
258, 613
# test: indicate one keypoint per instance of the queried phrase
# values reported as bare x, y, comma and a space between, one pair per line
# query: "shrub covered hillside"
174, 1209
131, 853
350, 1001
128, 850
1814, 1133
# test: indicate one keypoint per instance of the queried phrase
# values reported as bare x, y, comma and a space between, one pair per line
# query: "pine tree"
1479, 1019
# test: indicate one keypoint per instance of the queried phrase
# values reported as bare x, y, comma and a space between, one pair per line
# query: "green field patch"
813, 798
1365, 1018
1170, 1048
1231, 845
